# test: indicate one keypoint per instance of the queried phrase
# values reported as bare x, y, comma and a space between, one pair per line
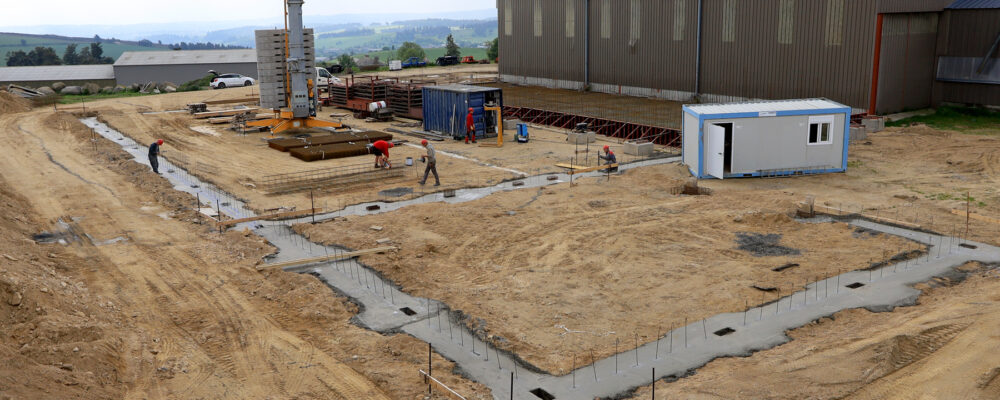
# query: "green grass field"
10, 42
432, 54
973, 120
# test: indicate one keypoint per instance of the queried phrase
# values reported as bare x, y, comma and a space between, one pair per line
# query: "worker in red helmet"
154, 152
381, 151
609, 158
470, 127
431, 161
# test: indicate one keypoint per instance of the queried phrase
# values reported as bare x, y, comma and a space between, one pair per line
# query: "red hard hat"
607, 148
391, 145
471, 109
423, 142
159, 141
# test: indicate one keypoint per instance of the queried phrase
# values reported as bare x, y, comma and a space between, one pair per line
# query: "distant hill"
428, 33
113, 48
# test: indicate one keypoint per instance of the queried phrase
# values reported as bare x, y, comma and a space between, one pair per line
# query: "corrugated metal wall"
968, 33
826, 56
911, 6
906, 73
552, 55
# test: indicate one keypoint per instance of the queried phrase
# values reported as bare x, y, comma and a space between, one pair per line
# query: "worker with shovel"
470, 127
431, 161
609, 158
154, 151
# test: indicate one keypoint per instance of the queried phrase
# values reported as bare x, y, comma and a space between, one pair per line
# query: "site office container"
445, 109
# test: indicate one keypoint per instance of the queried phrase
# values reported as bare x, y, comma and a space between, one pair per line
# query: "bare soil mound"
10, 104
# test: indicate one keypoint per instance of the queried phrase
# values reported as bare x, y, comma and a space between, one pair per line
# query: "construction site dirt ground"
239, 164
156, 305
146, 301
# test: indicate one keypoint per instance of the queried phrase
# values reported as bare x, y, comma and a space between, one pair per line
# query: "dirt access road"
150, 303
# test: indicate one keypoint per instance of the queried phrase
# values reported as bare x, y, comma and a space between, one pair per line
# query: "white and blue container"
446, 106
766, 138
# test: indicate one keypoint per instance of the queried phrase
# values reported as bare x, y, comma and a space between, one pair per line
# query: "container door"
715, 159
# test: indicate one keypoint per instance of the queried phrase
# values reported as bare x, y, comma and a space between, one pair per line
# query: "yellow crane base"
285, 122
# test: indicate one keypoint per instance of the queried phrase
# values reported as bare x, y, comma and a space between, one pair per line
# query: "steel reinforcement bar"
611, 128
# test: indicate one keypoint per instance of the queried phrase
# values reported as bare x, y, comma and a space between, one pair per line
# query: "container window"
786, 21
820, 130
605, 19
538, 18
729, 21
834, 22
508, 18
570, 18
679, 20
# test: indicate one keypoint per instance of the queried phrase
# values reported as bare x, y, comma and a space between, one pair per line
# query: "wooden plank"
226, 120
976, 216
834, 211
442, 387
334, 257
224, 113
289, 214
591, 169
232, 101
571, 166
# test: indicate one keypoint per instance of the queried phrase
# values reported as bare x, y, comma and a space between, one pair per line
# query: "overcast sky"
102, 12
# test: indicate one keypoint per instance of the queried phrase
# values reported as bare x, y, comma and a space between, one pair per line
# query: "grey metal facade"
968, 34
762, 49
179, 74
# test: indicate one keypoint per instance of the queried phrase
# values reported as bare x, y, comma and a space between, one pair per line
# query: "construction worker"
381, 151
431, 161
154, 151
609, 158
470, 127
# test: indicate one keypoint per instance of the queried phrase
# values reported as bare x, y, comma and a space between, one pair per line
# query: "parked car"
231, 80
447, 60
335, 68
325, 78
469, 60
414, 62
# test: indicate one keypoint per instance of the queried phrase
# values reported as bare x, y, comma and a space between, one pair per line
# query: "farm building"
73, 75
183, 65
768, 138
873, 55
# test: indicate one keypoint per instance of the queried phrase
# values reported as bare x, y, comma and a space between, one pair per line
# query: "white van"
324, 77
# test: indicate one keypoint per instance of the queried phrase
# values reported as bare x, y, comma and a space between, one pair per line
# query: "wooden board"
571, 166
289, 214
332, 257
442, 388
591, 169
224, 113
976, 216
232, 101
226, 120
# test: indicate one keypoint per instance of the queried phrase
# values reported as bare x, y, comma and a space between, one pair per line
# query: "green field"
972, 120
432, 54
10, 42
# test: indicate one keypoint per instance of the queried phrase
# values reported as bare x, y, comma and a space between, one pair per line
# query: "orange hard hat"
160, 141
423, 142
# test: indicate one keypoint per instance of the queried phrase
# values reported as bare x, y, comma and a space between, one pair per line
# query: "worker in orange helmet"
431, 160
381, 151
154, 152
609, 158
470, 127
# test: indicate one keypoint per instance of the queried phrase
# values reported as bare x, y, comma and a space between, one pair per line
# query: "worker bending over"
609, 158
381, 151
154, 151
431, 161
470, 127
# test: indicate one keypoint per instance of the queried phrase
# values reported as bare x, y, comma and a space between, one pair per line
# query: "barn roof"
181, 57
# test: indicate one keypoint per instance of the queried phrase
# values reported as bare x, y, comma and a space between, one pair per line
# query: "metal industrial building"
73, 75
873, 55
182, 65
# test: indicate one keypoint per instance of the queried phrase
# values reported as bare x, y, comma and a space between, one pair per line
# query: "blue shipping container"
445, 108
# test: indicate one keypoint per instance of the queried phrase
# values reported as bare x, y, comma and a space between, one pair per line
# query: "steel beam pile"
602, 126
407, 100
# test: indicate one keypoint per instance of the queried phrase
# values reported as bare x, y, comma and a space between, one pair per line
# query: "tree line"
92, 54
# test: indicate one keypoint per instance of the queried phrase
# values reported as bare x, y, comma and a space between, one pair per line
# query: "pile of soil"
10, 104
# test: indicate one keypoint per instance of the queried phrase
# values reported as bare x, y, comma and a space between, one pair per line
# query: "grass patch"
197, 84
974, 120
72, 99
855, 164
